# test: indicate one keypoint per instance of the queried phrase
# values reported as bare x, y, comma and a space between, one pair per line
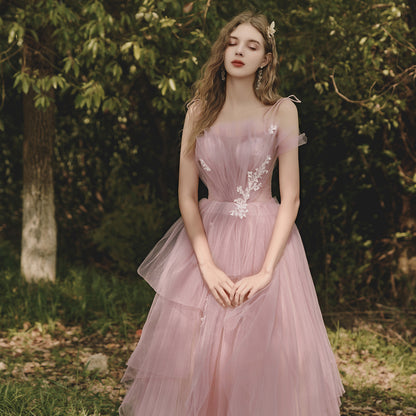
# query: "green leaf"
137, 52
126, 46
172, 84
25, 85
17, 79
389, 153
68, 65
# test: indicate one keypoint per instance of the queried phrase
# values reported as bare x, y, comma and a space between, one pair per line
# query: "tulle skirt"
268, 356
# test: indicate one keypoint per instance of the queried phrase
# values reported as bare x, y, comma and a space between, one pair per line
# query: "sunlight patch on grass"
378, 369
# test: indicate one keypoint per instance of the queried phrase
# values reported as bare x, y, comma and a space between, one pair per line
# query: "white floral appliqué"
204, 165
253, 184
272, 129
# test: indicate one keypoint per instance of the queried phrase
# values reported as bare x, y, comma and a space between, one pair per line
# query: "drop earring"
259, 78
222, 74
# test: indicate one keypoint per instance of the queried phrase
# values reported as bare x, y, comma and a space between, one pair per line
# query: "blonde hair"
209, 95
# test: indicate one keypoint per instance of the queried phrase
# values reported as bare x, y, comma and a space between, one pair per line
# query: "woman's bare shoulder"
285, 109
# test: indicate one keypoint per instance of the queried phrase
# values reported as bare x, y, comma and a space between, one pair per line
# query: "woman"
235, 328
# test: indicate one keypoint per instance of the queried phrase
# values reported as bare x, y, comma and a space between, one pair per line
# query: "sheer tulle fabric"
269, 356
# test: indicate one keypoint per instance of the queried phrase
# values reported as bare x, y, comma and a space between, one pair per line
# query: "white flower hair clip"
271, 29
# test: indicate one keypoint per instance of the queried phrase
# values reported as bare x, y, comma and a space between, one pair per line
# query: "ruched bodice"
236, 165
236, 159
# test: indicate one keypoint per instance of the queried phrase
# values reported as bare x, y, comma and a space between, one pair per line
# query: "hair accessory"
259, 77
271, 29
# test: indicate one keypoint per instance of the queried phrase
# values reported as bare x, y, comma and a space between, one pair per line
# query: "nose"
239, 50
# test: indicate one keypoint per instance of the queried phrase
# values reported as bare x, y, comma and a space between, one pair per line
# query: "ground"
43, 368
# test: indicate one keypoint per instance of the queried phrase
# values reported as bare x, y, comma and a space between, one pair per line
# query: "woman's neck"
239, 95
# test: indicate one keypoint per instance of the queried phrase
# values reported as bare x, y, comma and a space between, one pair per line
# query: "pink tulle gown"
269, 356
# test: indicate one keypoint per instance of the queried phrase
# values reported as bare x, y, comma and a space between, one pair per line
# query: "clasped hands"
230, 294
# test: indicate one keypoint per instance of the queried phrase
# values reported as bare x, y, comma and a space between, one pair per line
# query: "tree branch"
408, 45
360, 102
7, 58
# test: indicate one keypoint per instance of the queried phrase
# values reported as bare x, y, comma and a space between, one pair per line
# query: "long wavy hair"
209, 90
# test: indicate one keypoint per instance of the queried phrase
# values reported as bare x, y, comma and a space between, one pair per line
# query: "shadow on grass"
372, 401
85, 297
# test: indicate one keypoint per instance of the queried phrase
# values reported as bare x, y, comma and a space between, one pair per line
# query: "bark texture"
39, 233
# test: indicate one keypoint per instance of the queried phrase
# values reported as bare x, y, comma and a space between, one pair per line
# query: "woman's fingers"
243, 296
219, 284
224, 296
228, 286
217, 297
228, 293
235, 292
245, 292
221, 294
238, 294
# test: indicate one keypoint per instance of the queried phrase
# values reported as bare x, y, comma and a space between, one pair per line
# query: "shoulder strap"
273, 108
291, 97
294, 99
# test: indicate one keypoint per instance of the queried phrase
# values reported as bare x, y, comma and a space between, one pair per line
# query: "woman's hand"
220, 285
247, 287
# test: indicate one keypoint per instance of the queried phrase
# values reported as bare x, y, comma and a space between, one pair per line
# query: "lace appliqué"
253, 184
204, 165
272, 129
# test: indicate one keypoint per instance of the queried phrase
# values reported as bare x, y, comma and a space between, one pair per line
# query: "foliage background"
123, 73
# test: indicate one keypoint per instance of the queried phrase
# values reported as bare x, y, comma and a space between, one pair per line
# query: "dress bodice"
236, 159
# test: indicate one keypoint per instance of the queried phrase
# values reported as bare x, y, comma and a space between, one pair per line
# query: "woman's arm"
289, 206
217, 281
288, 210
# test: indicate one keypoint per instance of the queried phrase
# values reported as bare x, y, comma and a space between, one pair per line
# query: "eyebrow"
250, 40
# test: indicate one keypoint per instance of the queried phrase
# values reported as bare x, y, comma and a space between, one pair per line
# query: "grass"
378, 369
51, 400
94, 300
48, 332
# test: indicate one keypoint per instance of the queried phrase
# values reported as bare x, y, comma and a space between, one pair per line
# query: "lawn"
48, 334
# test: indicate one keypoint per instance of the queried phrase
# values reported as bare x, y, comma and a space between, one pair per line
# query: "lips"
237, 63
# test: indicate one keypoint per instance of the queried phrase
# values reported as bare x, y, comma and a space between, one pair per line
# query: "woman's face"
245, 52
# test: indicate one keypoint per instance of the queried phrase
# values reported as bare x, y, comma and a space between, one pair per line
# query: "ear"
266, 60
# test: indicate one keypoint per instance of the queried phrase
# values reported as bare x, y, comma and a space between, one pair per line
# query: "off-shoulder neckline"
251, 118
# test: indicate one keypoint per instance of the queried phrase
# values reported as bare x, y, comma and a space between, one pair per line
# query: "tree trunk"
39, 240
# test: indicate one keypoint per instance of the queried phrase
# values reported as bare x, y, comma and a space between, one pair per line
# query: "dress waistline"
238, 209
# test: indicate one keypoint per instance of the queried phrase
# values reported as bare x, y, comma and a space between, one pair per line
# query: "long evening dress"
269, 356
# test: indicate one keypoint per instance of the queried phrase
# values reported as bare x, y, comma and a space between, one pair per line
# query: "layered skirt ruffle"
268, 356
